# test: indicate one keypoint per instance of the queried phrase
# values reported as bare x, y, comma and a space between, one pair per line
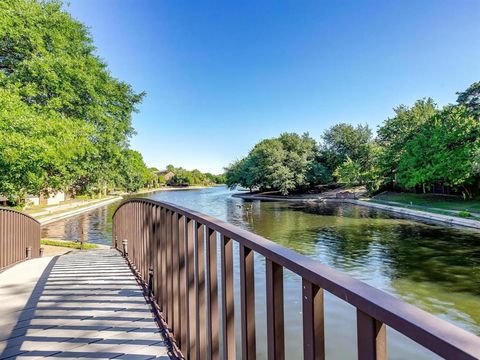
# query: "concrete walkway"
83, 305
48, 217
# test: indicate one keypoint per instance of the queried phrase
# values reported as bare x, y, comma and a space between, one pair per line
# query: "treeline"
65, 121
178, 176
421, 148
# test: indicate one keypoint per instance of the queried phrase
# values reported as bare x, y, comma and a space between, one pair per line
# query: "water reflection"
434, 267
94, 226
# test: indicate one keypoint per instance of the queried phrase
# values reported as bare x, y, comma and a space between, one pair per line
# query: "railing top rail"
431, 332
19, 212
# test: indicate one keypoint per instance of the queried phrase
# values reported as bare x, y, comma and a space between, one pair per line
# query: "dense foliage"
65, 122
285, 163
396, 132
421, 148
344, 141
445, 151
183, 177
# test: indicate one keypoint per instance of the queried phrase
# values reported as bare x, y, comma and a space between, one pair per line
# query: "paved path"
62, 211
83, 305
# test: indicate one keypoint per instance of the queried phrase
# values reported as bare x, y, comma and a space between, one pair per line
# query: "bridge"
166, 289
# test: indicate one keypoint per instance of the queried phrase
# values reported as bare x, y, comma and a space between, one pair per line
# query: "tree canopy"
184, 177
343, 141
470, 98
65, 120
396, 132
444, 150
421, 147
285, 163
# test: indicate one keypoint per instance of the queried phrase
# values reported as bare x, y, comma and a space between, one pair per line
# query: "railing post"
275, 326
228, 310
175, 278
201, 344
125, 247
191, 290
371, 338
29, 252
164, 257
247, 303
150, 282
212, 294
313, 321
182, 248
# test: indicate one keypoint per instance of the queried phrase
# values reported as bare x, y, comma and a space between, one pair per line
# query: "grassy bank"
67, 244
40, 210
439, 204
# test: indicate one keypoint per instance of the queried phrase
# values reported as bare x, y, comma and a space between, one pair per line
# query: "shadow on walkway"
85, 305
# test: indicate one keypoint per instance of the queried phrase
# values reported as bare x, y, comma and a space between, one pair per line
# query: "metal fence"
175, 250
19, 237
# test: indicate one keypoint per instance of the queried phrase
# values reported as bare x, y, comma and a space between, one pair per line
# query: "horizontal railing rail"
175, 250
19, 237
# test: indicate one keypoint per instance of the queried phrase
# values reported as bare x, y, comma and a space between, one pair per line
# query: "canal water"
434, 267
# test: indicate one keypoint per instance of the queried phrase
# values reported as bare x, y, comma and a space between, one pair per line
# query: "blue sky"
221, 75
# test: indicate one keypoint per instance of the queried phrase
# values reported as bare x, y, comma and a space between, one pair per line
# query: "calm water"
431, 266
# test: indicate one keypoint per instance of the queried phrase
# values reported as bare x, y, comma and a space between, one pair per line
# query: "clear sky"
221, 75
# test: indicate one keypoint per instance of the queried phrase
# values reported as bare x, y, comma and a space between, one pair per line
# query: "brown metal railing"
178, 248
19, 237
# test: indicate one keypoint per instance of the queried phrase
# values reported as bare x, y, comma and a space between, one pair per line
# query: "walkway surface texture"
86, 304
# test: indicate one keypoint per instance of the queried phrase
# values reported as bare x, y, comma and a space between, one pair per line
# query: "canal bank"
423, 215
415, 214
60, 212
50, 218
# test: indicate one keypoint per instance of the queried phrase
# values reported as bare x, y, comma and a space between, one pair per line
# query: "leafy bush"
464, 214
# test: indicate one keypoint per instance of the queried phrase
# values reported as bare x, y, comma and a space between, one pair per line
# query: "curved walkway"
83, 305
50, 217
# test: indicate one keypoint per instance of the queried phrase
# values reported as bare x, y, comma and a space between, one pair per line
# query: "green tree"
285, 163
470, 98
162, 180
343, 141
394, 134
184, 177
133, 171
220, 179
349, 173
353, 173
237, 174
318, 174
48, 60
444, 150
33, 157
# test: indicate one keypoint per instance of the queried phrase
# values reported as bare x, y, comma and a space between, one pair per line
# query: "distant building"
167, 175
53, 199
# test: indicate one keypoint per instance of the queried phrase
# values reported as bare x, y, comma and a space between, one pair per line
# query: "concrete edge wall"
416, 214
